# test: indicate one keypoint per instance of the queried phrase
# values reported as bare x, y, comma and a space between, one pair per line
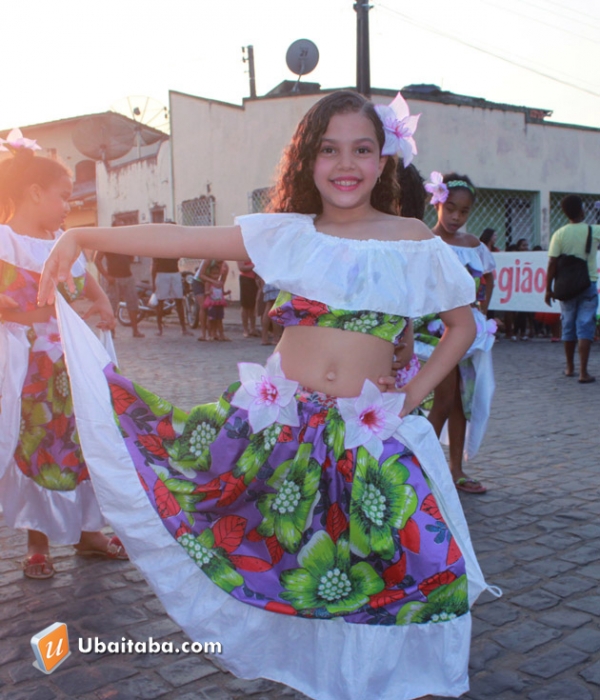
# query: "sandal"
114, 550
38, 566
469, 485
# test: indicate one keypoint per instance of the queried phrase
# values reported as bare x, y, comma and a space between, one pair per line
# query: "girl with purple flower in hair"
463, 399
306, 516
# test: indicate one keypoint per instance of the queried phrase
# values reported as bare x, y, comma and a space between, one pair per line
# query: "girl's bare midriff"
332, 360
27, 318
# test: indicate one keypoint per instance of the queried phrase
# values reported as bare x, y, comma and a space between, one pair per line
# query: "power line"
571, 9
428, 28
540, 21
562, 16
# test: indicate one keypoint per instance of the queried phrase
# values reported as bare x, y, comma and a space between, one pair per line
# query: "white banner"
520, 282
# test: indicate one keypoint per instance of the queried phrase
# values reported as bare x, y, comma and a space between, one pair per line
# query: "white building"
225, 156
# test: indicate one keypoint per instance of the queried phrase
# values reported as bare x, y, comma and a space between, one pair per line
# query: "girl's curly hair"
20, 171
295, 190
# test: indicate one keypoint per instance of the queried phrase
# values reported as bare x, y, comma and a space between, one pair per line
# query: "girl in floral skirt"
463, 399
305, 520
44, 483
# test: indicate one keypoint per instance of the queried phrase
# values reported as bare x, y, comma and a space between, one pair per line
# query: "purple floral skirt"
288, 520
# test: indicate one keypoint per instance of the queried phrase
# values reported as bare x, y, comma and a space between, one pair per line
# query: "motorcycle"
148, 310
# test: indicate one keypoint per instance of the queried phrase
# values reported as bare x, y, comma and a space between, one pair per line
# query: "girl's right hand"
57, 268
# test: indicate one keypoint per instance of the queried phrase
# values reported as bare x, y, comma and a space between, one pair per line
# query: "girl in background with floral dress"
44, 483
463, 399
305, 512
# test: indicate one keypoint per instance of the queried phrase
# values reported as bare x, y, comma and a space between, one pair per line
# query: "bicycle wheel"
192, 312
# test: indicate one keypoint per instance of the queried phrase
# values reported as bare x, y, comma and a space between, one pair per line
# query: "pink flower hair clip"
15, 141
437, 188
399, 127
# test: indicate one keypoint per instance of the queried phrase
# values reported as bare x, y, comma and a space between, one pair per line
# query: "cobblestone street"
536, 532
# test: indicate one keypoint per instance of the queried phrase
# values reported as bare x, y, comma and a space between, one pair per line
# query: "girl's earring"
378, 180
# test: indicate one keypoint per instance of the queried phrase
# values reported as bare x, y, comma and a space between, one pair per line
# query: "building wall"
234, 150
140, 185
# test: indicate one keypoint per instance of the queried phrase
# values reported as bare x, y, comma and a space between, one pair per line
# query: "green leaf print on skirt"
381, 502
444, 603
286, 513
192, 449
52, 478
326, 582
211, 559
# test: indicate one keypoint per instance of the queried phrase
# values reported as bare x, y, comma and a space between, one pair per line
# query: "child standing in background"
45, 487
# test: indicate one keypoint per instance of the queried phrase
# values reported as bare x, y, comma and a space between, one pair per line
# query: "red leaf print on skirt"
183, 529
410, 537
121, 398
386, 598
71, 459
154, 445
345, 465
35, 388
166, 502
245, 563
165, 430
435, 581
395, 573
454, 553
253, 536
45, 366
282, 608
59, 425
275, 549
336, 522
229, 532
430, 507
210, 490
317, 419
286, 434
234, 486
83, 475
308, 307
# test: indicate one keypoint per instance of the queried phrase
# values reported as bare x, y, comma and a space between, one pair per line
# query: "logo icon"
51, 647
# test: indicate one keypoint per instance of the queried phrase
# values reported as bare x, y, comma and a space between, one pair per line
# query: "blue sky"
73, 57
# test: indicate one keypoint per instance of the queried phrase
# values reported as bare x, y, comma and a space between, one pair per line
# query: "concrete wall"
234, 150
140, 185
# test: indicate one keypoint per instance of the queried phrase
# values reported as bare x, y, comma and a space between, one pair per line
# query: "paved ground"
536, 531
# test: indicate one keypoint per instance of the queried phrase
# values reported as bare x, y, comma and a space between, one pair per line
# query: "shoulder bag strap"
588, 245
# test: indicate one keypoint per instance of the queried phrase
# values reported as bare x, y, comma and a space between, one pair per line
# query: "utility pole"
363, 67
248, 57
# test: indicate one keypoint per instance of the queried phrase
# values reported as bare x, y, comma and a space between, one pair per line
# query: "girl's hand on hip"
102, 308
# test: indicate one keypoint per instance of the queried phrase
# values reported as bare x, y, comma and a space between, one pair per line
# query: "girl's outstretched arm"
458, 336
152, 240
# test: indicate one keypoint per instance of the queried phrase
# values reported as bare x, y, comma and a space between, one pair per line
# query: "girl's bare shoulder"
410, 229
470, 241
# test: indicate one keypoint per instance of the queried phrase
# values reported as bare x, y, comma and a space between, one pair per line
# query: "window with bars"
259, 199
511, 213
558, 219
197, 212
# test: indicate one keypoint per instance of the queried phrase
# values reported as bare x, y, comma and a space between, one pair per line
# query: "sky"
67, 58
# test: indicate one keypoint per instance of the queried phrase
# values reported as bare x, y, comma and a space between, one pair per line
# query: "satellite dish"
104, 136
302, 57
146, 111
